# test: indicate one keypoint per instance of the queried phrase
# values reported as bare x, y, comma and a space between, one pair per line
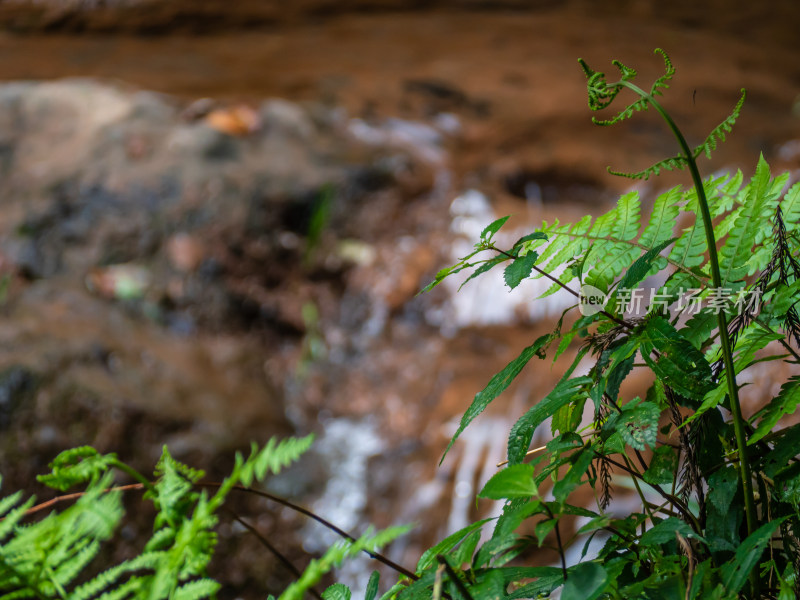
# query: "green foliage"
725, 241
335, 555
50, 557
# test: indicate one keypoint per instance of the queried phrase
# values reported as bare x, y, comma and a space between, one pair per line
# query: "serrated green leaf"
641, 267
585, 581
679, 364
547, 581
521, 434
515, 481
662, 467
484, 268
722, 485
572, 479
464, 551
543, 529
639, 426
504, 536
497, 385
665, 531
428, 557
786, 448
338, 591
489, 586
747, 345
488, 233
372, 586
748, 554
519, 269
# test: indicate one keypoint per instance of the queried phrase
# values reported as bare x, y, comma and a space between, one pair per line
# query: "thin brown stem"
240, 488
558, 541
564, 286
275, 552
304, 511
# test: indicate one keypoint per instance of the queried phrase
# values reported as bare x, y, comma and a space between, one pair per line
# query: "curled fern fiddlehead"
602, 94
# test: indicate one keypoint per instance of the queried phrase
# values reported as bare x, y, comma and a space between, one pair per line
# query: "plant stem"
562, 284
727, 354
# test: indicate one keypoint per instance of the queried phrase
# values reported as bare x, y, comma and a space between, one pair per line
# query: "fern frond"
74, 564
790, 207
273, 458
661, 223
600, 93
626, 73
718, 133
336, 554
111, 577
10, 516
639, 105
669, 71
675, 163
168, 465
690, 248
76, 466
194, 590
738, 248
566, 241
133, 588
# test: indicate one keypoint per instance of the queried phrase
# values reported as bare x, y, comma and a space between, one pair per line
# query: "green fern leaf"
691, 246
76, 466
718, 133
194, 590
737, 250
661, 223
75, 563
274, 457
748, 343
133, 588
111, 577
9, 521
627, 112
669, 71
624, 225
337, 591
566, 241
790, 206
335, 555
675, 163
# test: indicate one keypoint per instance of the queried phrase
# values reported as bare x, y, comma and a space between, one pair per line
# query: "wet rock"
17, 385
201, 141
185, 252
286, 118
